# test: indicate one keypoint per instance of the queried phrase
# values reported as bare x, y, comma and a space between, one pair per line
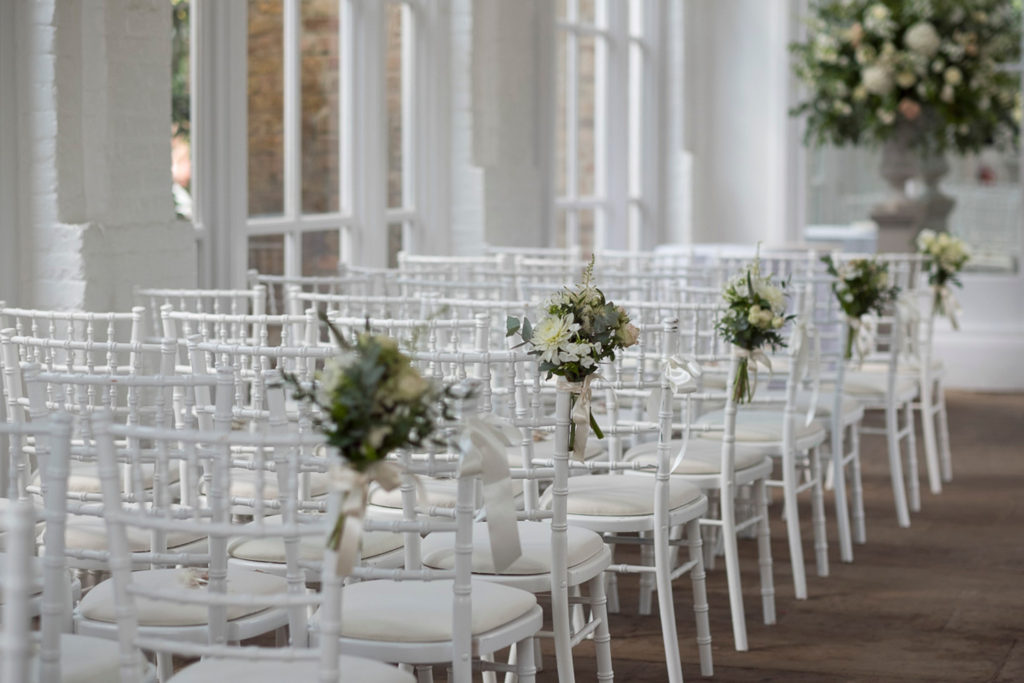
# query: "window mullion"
292, 15
611, 119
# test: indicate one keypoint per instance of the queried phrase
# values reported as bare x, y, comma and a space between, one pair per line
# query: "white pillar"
736, 116
97, 215
502, 81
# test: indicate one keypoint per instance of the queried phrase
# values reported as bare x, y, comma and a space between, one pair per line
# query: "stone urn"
898, 216
935, 206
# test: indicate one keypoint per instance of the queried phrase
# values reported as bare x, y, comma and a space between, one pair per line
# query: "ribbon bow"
582, 419
946, 304
807, 360
354, 486
683, 375
483, 445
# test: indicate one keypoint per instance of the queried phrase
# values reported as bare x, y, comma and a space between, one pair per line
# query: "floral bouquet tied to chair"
579, 329
945, 257
372, 402
862, 286
754, 317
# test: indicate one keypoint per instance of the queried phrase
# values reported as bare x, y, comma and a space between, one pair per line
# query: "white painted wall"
96, 215
736, 120
9, 271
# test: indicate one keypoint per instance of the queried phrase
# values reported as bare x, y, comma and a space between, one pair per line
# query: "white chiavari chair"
279, 285
196, 604
641, 509
228, 301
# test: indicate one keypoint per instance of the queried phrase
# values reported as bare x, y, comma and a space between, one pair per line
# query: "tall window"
307, 157
605, 146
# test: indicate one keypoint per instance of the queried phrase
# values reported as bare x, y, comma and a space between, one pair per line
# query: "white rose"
860, 93
777, 322
905, 79
953, 76
754, 316
922, 38
947, 94
877, 80
885, 116
925, 239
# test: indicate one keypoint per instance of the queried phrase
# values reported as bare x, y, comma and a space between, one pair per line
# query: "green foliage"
862, 285
755, 311
373, 401
927, 70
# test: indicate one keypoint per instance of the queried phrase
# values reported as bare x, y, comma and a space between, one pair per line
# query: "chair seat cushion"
438, 550
98, 604
871, 387
545, 450
757, 426
270, 548
90, 533
37, 575
440, 493
421, 611
244, 483
703, 456
84, 476
611, 495
84, 659
351, 668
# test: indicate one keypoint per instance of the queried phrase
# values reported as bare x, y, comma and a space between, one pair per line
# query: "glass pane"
636, 66
266, 254
562, 96
320, 253
266, 108
987, 213
395, 104
585, 231
560, 8
560, 228
181, 156
588, 11
320, 106
585, 155
396, 242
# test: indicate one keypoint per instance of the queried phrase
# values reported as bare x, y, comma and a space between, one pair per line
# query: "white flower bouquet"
753, 320
927, 66
945, 257
862, 287
578, 330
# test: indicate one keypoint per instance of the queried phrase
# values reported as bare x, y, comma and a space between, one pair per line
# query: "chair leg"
914, 484
931, 449
732, 574
796, 550
612, 586
764, 553
645, 594
164, 666
947, 459
818, 514
424, 673
526, 669
859, 529
700, 598
896, 466
602, 636
666, 607
837, 473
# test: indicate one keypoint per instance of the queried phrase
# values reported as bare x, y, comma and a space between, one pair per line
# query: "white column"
737, 123
94, 128
501, 147
9, 186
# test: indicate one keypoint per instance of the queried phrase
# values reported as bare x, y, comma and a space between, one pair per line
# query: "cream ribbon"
807, 360
863, 330
947, 302
483, 445
755, 356
354, 487
580, 412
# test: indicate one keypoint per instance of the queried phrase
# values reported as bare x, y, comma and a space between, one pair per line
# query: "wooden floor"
940, 601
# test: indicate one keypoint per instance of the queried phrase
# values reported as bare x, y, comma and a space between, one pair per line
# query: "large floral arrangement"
578, 330
755, 314
862, 287
873, 67
371, 401
945, 257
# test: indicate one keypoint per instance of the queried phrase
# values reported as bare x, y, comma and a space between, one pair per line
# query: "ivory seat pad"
703, 456
84, 476
5, 504
37, 575
757, 426
98, 604
84, 659
610, 495
270, 548
438, 549
545, 450
90, 533
421, 611
440, 493
873, 386
850, 406
244, 484
907, 365
356, 669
